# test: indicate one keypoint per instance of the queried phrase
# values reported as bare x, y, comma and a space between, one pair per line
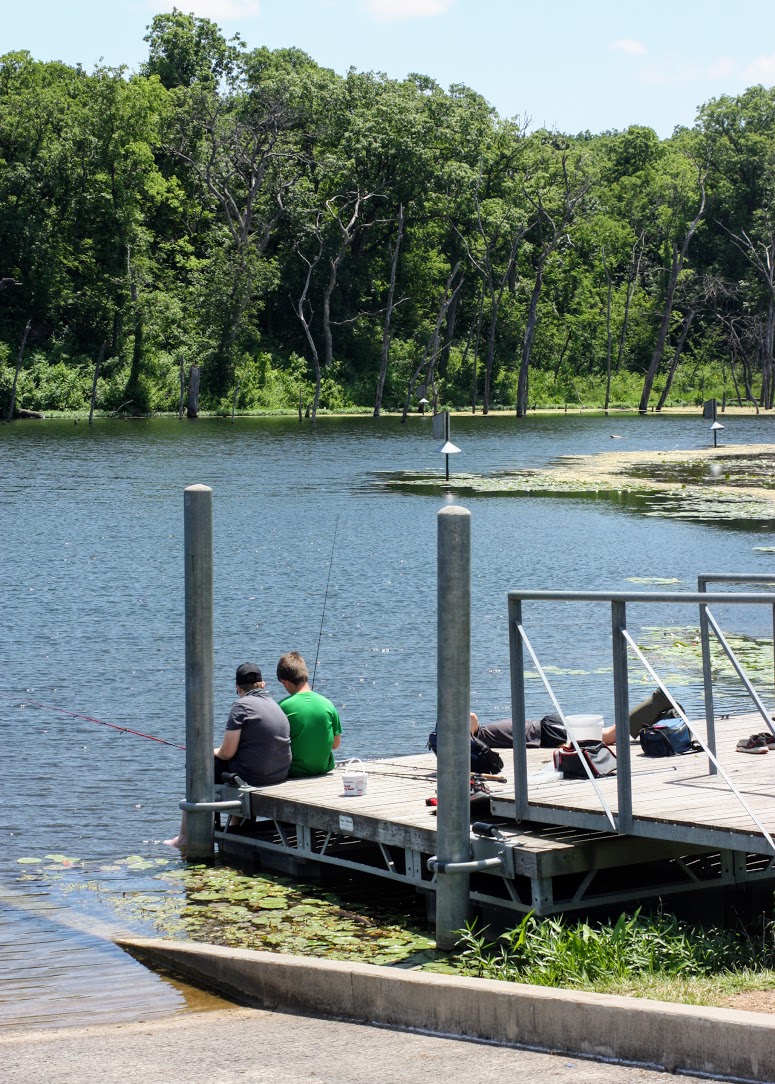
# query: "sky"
569, 65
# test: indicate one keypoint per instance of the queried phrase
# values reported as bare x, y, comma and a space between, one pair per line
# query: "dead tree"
676, 267
348, 229
193, 392
761, 256
686, 324
428, 362
19, 359
387, 328
97, 365
552, 232
305, 312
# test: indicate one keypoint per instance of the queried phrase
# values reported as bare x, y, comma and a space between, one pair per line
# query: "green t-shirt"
314, 723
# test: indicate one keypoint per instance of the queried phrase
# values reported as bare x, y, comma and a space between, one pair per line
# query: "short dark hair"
293, 668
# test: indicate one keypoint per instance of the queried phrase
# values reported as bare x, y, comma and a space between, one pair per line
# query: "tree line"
300, 237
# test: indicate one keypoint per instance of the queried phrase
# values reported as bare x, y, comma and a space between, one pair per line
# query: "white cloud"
722, 68
212, 9
628, 45
406, 9
761, 70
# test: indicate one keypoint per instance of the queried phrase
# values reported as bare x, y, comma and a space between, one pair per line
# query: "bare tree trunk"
182, 388
301, 312
679, 257
19, 359
193, 392
429, 356
632, 283
676, 357
767, 360
348, 233
386, 330
476, 351
607, 333
527, 344
100, 356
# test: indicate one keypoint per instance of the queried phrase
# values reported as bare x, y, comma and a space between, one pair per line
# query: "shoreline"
366, 412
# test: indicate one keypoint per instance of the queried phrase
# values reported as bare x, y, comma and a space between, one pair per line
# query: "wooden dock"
690, 831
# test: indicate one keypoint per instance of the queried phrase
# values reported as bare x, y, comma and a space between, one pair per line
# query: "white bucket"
354, 778
585, 727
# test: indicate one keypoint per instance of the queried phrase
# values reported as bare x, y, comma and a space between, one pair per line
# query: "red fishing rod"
91, 719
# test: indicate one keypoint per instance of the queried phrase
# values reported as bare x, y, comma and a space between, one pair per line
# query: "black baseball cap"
248, 674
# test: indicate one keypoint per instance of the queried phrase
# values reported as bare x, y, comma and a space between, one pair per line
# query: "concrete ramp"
683, 1038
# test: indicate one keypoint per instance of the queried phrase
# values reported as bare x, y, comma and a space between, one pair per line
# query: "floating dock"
689, 830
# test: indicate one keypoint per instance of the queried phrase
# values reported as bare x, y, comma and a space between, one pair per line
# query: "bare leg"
474, 724
180, 839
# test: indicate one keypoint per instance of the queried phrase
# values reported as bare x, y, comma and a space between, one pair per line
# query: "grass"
655, 956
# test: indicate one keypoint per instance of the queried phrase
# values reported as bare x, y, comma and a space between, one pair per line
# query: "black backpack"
484, 760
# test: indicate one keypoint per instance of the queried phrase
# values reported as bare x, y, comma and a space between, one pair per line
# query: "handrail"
698, 737
569, 730
621, 639
705, 621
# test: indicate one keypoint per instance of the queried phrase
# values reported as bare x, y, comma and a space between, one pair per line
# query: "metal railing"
708, 622
622, 821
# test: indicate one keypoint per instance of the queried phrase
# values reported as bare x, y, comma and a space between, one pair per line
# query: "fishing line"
325, 600
91, 719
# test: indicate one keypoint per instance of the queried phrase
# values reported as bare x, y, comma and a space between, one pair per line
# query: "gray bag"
649, 711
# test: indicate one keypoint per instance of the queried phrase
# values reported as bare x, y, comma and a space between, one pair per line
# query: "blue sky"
561, 63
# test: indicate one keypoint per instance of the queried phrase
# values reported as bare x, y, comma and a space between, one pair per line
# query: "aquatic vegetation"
679, 647
657, 581
628, 956
223, 906
703, 485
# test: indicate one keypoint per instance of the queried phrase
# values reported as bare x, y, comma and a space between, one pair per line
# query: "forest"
244, 224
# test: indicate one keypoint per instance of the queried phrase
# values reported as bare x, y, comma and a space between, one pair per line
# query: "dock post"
198, 548
453, 677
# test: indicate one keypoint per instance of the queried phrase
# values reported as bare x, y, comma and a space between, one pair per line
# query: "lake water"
91, 567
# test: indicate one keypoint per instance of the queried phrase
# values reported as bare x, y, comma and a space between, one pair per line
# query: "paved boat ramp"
689, 830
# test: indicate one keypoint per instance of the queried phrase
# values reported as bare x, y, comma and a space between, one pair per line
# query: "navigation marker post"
441, 432
714, 429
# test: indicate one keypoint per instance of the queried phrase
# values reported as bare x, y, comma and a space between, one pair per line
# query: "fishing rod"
325, 600
91, 719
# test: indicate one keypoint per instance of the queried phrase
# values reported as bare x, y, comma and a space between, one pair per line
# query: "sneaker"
768, 737
757, 743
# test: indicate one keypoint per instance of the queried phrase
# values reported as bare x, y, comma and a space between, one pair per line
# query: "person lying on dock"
256, 745
546, 733
316, 729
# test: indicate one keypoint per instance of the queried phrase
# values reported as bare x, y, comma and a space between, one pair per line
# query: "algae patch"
734, 485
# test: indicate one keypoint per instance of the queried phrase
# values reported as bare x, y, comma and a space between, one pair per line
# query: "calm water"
91, 568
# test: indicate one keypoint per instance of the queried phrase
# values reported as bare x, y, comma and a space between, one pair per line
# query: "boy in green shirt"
316, 729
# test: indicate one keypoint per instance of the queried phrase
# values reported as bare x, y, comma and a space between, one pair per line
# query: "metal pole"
517, 663
707, 676
198, 548
453, 719
622, 717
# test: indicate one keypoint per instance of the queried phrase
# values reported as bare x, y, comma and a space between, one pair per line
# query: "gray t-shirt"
264, 752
